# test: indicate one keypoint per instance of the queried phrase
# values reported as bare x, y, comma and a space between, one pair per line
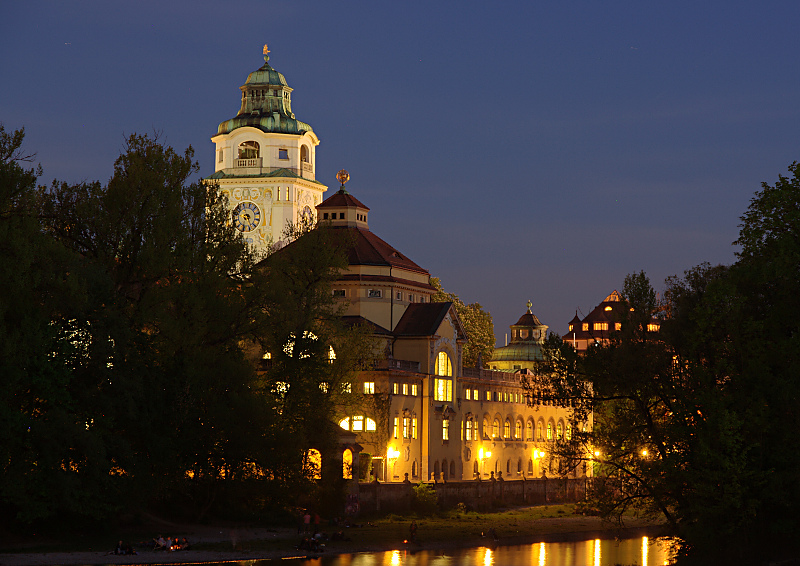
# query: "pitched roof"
365, 248
422, 319
339, 199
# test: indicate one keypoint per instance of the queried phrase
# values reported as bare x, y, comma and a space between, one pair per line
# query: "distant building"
598, 325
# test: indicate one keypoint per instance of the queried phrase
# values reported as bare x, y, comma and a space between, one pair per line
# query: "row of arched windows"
512, 429
251, 149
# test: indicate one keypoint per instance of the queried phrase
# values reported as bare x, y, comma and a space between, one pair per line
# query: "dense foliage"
132, 326
698, 421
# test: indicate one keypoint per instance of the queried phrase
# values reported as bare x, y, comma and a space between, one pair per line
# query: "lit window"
413, 428
601, 326
312, 464
549, 431
653, 327
529, 431
283, 154
394, 388
469, 429
539, 429
347, 388
518, 431
559, 431
617, 326
469, 394
443, 390
608, 308
370, 424
248, 150
405, 389
475, 394
396, 427
374, 293
345, 423
446, 429
443, 365
570, 326
507, 430
357, 423
369, 387
568, 434
347, 464
585, 326
405, 427
488, 395
495, 429
414, 389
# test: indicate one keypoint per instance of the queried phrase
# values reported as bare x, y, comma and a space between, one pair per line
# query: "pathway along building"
424, 417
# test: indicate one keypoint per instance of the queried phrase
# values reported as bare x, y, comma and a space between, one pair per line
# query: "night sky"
517, 150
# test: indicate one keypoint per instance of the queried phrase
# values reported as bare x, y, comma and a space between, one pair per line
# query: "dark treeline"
133, 321
698, 422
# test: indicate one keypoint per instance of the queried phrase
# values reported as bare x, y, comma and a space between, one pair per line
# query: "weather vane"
342, 176
266, 53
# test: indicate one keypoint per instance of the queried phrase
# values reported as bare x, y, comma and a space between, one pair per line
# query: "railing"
489, 374
253, 162
307, 167
402, 365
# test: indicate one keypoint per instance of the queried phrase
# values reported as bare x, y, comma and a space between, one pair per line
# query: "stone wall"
377, 497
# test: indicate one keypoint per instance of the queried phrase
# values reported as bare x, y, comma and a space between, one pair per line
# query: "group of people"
123, 549
170, 544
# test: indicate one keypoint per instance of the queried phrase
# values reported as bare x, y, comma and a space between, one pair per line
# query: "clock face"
246, 216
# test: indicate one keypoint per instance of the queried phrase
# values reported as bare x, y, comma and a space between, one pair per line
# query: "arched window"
304, 154
549, 431
519, 466
530, 467
347, 464
539, 429
475, 469
485, 428
249, 150
452, 469
518, 431
468, 433
496, 429
559, 430
508, 467
414, 469
507, 430
443, 365
529, 431
312, 464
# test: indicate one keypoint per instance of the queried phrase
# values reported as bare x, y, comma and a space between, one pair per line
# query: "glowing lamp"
392, 453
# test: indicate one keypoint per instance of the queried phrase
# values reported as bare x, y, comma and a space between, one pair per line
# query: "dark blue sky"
517, 150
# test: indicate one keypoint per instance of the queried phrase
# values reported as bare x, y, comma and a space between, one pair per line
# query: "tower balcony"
254, 162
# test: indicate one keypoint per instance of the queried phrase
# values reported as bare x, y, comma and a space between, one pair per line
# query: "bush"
425, 499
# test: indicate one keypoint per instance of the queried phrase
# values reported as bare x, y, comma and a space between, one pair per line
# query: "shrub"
425, 499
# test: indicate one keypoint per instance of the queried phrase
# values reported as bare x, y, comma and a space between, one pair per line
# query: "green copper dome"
266, 104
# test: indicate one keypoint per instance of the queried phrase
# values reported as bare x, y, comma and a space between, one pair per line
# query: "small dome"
518, 352
266, 75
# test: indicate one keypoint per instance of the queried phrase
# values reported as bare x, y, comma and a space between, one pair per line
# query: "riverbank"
223, 544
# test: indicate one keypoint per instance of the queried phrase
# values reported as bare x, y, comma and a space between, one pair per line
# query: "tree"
477, 324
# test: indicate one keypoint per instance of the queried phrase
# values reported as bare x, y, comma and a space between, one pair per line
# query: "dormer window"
249, 150
304, 154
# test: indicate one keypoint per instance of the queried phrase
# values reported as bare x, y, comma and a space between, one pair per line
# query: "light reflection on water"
636, 551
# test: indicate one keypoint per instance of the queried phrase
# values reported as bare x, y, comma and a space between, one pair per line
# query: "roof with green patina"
283, 173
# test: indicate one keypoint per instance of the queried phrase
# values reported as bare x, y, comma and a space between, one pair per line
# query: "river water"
640, 551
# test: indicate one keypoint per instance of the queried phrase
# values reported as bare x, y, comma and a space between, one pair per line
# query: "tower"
265, 160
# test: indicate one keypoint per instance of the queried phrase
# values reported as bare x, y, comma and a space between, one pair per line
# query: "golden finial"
342, 176
266, 53
529, 304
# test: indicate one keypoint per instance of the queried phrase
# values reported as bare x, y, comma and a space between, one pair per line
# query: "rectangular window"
443, 390
445, 429
488, 395
653, 327
617, 326
324, 215
475, 394
369, 387
399, 296
358, 423
394, 388
414, 389
346, 388
405, 427
341, 215
396, 427
422, 299
338, 292
374, 293
469, 394
220, 156
405, 389
601, 326
410, 298
585, 326
283, 154
413, 428
469, 430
